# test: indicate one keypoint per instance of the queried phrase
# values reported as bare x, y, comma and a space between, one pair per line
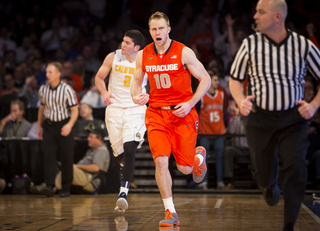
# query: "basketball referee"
275, 60
57, 114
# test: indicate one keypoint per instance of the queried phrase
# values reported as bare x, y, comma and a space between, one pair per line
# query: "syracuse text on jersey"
165, 67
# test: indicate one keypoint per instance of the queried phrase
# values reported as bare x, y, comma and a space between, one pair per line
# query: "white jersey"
120, 81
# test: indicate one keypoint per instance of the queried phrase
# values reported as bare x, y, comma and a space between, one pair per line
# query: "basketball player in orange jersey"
211, 122
171, 119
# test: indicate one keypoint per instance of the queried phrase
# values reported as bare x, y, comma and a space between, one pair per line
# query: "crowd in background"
80, 33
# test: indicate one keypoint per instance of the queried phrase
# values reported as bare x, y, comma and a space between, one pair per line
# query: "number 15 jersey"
169, 79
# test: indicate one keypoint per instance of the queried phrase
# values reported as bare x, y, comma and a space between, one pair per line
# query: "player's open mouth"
158, 39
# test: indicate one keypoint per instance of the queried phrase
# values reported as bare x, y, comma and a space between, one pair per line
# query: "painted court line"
218, 204
311, 213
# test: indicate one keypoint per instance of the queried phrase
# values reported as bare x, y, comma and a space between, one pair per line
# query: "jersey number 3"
163, 81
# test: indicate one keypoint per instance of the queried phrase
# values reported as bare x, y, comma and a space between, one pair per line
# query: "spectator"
91, 62
30, 92
19, 77
70, 53
93, 97
9, 85
88, 170
15, 125
36, 69
6, 43
86, 112
86, 115
81, 70
202, 42
238, 146
9, 57
68, 70
211, 123
24, 50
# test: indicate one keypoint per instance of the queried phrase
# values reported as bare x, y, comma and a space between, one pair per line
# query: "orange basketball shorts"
168, 134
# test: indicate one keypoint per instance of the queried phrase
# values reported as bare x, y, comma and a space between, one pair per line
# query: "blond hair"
159, 15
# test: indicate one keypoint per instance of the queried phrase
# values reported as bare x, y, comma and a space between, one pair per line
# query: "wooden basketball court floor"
197, 211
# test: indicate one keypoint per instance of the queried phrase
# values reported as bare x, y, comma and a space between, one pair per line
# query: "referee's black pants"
278, 145
55, 144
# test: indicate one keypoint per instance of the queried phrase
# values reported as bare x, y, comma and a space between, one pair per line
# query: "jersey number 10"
163, 81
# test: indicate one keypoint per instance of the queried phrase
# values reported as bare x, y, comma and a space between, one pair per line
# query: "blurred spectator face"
36, 65
19, 74
80, 61
65, 45
26, 43
67, 68
8, 81
4, 32
214, 81
60, 54
94, 141
10, 56
87, 52
33, 84
16, 113
213, 65
85, 111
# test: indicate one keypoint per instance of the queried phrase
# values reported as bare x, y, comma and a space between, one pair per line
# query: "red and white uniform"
170, 84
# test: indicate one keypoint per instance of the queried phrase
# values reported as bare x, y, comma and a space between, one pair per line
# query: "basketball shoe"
201, 171
122, 203
170, 220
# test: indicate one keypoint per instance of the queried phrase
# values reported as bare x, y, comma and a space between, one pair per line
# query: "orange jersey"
169, 80
211, 114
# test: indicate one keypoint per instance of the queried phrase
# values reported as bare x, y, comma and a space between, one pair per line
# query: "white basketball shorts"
124, 125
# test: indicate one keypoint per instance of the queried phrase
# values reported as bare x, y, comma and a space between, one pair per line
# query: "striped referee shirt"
57, 101
276, 71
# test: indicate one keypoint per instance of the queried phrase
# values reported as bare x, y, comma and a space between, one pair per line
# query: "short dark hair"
99, 132
20, 104
136, 36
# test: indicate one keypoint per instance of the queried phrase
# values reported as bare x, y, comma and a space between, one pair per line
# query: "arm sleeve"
313, 60
238, 69
71, 96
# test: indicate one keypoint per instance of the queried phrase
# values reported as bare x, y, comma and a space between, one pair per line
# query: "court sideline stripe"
51, 224
218, 204
311, 213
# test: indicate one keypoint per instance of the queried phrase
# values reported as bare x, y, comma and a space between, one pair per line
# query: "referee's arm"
66, 129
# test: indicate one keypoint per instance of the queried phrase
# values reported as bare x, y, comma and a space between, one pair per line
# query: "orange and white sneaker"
199, 174
170, 220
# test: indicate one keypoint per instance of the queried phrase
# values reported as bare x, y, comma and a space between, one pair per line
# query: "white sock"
168, 204
124, 189
200, 158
